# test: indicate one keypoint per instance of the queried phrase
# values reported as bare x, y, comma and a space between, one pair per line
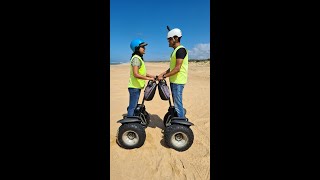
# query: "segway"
177, 133
131, 134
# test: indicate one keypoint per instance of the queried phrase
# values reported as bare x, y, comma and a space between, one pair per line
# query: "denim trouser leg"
176, 90
133, 101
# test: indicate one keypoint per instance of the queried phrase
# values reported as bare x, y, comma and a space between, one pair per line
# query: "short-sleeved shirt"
135, 62
181, 53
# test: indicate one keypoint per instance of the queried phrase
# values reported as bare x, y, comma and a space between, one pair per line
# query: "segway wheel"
131, 135
178, 137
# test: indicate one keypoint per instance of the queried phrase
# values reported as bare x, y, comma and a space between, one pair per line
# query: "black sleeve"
181, 53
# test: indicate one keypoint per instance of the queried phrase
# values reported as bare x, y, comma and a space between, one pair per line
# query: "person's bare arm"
149, 75
167, 71
174, 71
137, 75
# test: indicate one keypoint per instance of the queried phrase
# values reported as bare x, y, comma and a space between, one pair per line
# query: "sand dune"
155, 161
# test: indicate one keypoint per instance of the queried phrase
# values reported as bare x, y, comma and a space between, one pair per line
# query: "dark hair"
137, 53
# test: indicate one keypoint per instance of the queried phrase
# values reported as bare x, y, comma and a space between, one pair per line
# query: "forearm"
167, 71
148, 75
173, 72
139, 76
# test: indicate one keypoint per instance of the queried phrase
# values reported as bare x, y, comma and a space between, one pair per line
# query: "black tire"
131, 135
178, 137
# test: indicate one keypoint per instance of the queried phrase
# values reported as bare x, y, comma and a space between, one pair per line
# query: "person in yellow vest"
138, 74
178, 71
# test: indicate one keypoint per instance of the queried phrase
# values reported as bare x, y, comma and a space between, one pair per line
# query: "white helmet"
174, 32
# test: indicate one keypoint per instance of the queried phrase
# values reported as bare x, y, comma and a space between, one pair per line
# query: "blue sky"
147, 19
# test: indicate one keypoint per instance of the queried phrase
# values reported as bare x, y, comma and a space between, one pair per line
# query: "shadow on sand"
156, 121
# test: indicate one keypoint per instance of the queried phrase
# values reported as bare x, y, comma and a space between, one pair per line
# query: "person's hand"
160, 78
155, 77
151, 79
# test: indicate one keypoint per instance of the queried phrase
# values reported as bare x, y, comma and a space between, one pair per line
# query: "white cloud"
200, 51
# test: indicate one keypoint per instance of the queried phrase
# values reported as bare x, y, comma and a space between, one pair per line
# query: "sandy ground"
154, 160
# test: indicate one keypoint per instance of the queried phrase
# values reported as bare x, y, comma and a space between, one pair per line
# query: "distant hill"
190, 60
199, 60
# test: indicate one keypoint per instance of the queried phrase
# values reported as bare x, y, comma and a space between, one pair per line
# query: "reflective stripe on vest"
182, 76
136, 82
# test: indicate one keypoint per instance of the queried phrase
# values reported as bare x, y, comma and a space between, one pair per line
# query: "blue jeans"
133, 101
176, 90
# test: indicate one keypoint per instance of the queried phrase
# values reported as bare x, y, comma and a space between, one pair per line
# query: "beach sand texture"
155, 161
